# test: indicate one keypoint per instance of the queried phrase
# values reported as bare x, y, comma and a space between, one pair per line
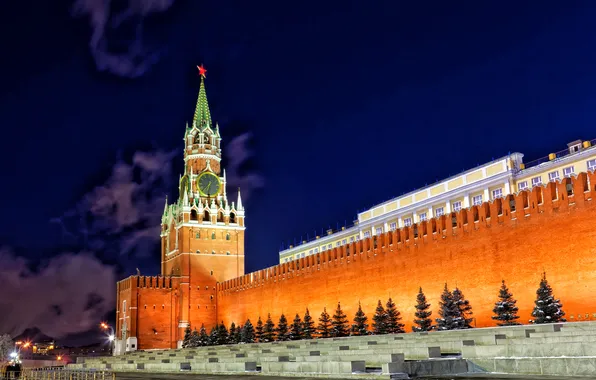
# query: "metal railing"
61, 374
558, 155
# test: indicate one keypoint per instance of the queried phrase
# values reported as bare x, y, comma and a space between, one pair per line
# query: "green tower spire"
202, 116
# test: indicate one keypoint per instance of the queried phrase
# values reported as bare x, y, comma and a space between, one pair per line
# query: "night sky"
326, 108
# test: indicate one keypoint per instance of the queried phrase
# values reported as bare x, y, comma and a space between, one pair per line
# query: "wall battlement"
557, 196
548, 228
157, 282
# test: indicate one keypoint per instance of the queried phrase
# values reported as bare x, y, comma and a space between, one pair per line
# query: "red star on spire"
202, 71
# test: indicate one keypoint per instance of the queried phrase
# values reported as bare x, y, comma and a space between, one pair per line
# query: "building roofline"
419, 189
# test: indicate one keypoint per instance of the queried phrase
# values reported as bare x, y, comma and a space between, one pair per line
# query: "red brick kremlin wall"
152, 310
548, 229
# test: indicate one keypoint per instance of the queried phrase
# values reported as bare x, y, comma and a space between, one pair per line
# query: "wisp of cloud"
137, 58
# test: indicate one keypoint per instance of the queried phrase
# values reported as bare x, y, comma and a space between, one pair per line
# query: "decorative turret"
239, 202
185, 200
164, 216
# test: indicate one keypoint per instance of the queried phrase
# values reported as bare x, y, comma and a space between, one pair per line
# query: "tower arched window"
206, 216
228, 236
232, 217
198, 138
220, 217
193, 215
206, 139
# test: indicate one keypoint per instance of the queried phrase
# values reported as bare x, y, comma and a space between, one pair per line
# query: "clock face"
209, 184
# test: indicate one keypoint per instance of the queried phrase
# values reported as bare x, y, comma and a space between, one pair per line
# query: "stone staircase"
556, 349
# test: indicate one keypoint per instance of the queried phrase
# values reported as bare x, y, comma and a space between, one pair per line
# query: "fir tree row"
455, 312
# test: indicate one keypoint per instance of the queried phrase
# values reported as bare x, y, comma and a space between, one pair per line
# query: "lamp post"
111, 337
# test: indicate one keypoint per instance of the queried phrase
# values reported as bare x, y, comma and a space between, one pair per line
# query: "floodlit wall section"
548, 228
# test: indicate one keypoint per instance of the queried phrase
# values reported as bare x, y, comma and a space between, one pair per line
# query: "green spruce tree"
187, 335
296, 328
268, 330
379, 320
248, 333
195, 339
547, 308
505, 309
422, 321
464, 310
360, 326
203, 337
232, 334
282, 329
339, 323
259, 331
393, 318
308, 326
324, 327
223, 336
213, 336
448, 312
236, 337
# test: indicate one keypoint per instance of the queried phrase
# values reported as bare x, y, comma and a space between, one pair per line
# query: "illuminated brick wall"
546, 230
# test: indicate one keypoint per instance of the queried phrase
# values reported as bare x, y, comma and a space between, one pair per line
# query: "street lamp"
111, 336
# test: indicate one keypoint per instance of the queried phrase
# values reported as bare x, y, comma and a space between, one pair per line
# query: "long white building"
495, 179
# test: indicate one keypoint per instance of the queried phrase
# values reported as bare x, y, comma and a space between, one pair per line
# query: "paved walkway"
188, 376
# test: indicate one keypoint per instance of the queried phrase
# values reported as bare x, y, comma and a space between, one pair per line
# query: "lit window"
456, 206
439, 211
422, 217
366, 234
310, 252
536, 181
393, 226
316, 250
592, 165
407, 222
352, 239
497, 193
330, 246
522, 185
379, 231
568, 171
553, 176
302, 254
286, 260
345, 241
357, 238
338, 244
477, 200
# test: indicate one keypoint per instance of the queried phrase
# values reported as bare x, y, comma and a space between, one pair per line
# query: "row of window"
198, 235
214, 253
207, 216
554, 175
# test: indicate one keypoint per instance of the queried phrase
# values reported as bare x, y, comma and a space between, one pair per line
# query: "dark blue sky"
349, 103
